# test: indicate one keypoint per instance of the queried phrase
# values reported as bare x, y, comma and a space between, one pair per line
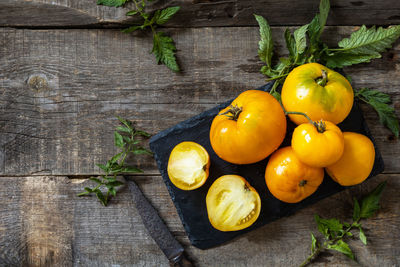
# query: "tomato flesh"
188, 166
232, 204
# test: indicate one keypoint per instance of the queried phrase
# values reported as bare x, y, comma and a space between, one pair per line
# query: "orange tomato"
232, 204
290, 180
357, 160
318, 145
250, 129
188, 165
306, 90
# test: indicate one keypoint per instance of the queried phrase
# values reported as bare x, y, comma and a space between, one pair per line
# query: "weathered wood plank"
44, 223
198, 13
61, 91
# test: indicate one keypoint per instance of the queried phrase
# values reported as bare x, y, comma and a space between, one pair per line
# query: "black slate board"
191, 205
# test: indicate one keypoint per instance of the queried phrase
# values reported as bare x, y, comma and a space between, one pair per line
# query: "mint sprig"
127, 138
335, 231
163, 46
305, 46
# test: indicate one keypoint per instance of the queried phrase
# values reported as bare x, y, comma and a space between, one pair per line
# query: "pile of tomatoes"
254, 126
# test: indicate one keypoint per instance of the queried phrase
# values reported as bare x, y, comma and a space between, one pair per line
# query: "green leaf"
118, 140
125, 122
165, 14
133, 28
113, 191
164, 50
115, 183
114, 3
370, 203
362, 46
265, 45
363, 238
95, 180
88, 191
101, 197
328, 227
300, 39
324, 7
102, 166
115, 158
342, 247
356, 211
132, 13
123, 129
379, 101
142, 151
314, 243
130, 169
110, 179
142, 133
290, 43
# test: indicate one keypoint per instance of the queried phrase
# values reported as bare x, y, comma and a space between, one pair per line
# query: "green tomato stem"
322, 80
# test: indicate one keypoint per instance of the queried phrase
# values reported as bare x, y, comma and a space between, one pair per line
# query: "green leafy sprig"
305, 46
128, 139
163, 46
335, 231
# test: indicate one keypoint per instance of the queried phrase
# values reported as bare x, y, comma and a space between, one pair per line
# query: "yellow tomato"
290, 180
357, 160
188, 165
318, 145
250, 129
305, 90
232, 204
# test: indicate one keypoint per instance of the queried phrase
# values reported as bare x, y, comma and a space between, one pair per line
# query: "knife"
157, 228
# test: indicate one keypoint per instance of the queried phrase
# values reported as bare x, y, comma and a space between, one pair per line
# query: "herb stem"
312, 256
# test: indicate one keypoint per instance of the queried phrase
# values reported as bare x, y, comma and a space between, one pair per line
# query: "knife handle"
180, 261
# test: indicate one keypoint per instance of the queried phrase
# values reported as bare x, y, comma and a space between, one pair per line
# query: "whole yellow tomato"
232, 204
319, 92
290, 180
250, 129
357, 160
318, 144
188, 165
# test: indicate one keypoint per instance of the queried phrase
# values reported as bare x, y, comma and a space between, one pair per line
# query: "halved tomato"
188, 165
232, 204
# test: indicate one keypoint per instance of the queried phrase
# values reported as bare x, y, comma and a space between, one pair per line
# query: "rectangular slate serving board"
191, 205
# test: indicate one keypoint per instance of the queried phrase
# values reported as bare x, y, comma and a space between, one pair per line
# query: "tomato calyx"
233, 112
320, 125
321, 81
303, 183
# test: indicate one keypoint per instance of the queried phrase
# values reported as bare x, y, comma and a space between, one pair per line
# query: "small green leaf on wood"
370, 203
265, 45
164, 50
118, 140
342, 247
356, 210
314, 243
363, 238
112, 3
162, 16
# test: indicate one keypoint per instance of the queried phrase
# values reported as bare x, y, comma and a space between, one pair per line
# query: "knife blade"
157, 229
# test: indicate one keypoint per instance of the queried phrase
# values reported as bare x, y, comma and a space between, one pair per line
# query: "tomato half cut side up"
188, 165
232, 203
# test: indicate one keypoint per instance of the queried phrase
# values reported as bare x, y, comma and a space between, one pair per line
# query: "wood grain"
61, 91
44, 223
197, 13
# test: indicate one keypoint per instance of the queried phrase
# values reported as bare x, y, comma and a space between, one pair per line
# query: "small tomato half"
232, 204
319, 144
290, 180
357, 160
188, 165
250, 129
319, 92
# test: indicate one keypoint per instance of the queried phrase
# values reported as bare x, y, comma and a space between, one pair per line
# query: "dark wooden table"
66, 71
